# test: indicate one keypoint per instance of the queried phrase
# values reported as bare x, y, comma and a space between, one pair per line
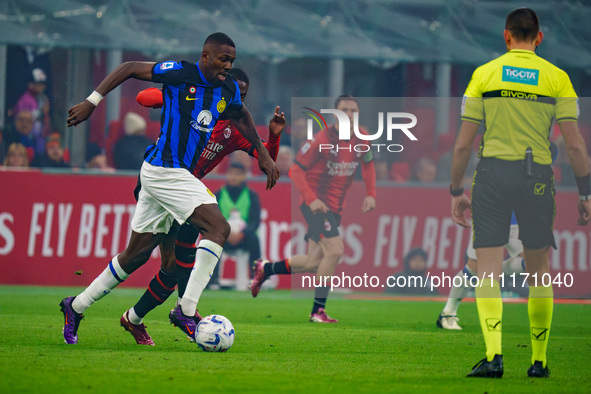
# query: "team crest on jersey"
327, 225
227, 132
221, 105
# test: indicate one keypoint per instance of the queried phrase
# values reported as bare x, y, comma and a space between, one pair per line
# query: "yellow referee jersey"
517, 95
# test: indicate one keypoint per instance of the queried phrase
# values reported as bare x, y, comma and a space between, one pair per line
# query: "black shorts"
321, 225
500, 187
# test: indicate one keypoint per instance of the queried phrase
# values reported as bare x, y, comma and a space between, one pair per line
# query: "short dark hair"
219, 38
416, 252
345, 97
523, 24
239, 75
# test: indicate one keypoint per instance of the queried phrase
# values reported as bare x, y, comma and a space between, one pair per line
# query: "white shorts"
514, 246
167, 194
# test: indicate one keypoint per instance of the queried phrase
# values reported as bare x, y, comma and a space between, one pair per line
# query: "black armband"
584, 185
456, 192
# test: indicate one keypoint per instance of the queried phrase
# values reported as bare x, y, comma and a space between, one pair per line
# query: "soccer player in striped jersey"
323, 178
178, 248
194, 97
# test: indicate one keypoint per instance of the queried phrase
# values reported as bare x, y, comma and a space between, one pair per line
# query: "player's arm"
567, 114
472, 115
459, 163
579, 161
298, 176
138, 70
276, 126
306, 157
368, 173
245, 125
575, 148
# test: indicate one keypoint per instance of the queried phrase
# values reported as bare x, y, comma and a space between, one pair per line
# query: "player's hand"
268, 166
151, 98
79, 113
318, 206
235, 238
368, 204
459, 205
584, 208
277, 122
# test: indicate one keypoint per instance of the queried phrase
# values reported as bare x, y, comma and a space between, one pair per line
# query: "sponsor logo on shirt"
203, 120
521, 75
342, 168
211, 150
521, 95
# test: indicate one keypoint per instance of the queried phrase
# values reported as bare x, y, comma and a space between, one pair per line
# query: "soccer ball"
215, 333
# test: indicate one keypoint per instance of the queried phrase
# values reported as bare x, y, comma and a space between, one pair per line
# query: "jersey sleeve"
367, 156
273, 145
567, 103
169, 72
298, 177
368, 173
472, 105
306, 157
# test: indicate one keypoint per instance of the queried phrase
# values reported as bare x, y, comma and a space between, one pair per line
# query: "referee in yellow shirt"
517, 96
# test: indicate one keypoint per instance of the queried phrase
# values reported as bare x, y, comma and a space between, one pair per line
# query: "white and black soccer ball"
215, 333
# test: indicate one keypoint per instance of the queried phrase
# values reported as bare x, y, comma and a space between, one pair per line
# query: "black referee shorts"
500, 187
321, 225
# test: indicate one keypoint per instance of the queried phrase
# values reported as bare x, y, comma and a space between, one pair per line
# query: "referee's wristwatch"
456, 192
584, 198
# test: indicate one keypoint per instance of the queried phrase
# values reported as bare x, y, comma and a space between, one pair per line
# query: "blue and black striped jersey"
191, 109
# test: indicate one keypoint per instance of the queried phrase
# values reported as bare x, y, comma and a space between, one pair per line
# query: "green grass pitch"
378, 346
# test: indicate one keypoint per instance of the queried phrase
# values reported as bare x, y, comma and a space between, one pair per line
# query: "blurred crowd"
30, 139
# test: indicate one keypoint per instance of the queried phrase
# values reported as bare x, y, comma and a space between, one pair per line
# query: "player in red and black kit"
178, 248
323, 178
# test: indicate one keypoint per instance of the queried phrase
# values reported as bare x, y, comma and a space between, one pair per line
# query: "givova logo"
521, 75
